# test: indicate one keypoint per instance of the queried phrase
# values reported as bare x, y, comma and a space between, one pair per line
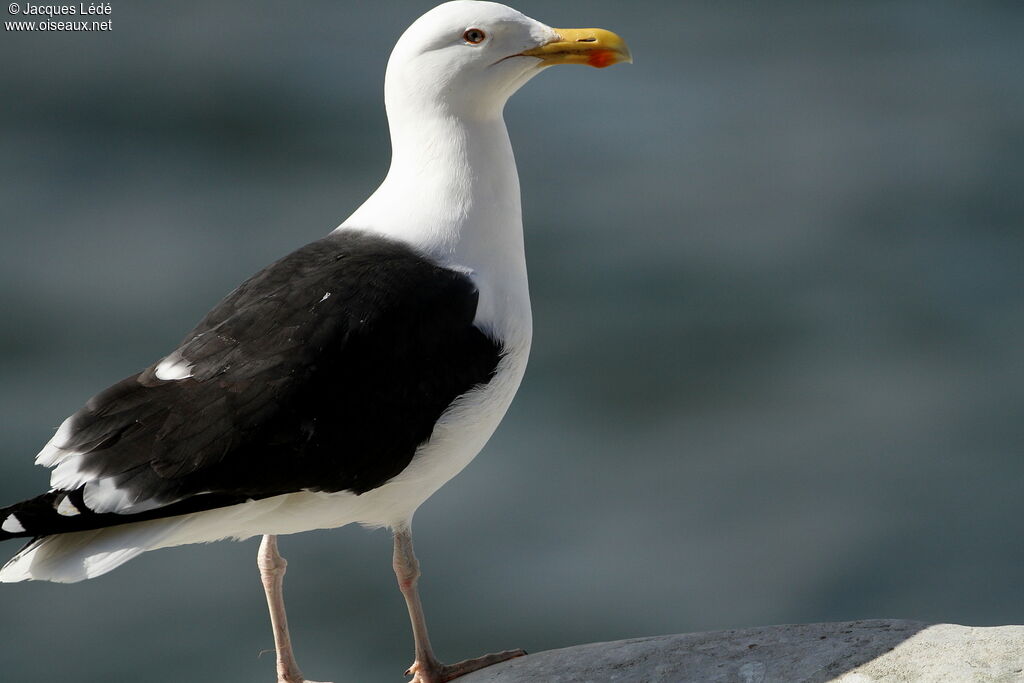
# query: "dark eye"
474, 36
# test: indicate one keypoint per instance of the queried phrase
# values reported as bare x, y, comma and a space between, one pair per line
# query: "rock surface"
879, 650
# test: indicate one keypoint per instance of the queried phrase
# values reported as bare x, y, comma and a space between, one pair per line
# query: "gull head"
467, 57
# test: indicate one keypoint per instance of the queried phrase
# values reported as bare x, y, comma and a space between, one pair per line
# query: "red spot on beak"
601, 58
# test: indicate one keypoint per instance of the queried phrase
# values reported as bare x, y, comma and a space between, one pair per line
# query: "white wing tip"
54, 451
173, 368
67, 475
13, 525
66, 508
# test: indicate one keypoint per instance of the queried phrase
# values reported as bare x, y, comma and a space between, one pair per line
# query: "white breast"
459, 436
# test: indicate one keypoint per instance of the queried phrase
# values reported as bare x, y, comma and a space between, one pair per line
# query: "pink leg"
272, 567
426, 668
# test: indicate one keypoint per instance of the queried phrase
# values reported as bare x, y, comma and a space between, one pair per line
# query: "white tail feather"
81, 555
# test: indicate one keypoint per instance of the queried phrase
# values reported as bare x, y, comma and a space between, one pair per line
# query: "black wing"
323, 372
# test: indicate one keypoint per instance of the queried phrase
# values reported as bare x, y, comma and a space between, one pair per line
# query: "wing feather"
325, 371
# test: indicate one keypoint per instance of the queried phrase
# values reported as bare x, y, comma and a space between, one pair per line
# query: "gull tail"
68, 542
80, 555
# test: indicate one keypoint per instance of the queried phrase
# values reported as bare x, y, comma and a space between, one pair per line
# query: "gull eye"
474, 36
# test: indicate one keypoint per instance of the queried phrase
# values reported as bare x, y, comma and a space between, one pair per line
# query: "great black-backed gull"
349, 380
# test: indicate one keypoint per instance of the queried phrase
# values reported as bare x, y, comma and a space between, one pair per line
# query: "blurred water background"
778, 277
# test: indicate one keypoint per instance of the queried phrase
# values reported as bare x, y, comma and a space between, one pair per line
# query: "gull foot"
436, 672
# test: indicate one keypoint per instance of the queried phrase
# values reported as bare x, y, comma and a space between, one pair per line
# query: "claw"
435, 672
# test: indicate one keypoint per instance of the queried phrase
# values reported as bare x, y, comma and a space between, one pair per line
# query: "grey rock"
879, 650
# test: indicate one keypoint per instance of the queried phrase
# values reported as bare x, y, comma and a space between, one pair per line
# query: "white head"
452, 189
468, 57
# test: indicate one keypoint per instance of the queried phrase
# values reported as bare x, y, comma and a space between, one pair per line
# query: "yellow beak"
593, 46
